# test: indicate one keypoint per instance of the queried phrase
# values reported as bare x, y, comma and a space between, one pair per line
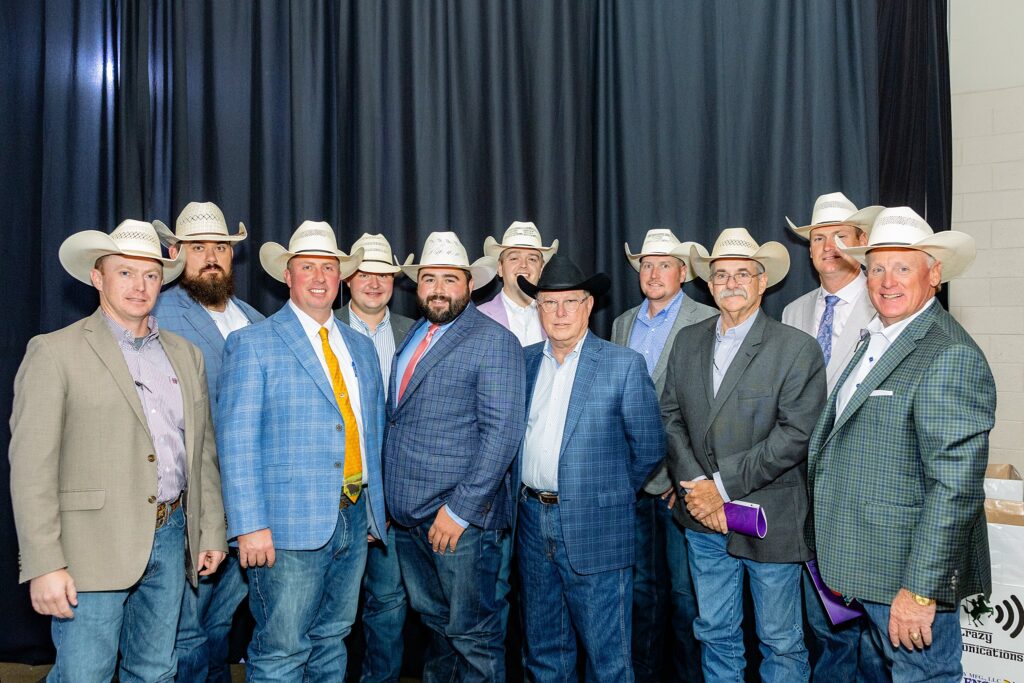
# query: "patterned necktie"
353, 458
825, 326
420, 350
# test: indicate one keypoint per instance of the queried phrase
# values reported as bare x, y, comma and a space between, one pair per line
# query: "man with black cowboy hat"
593, 436
114, 477
898, 456
202, 307
741, 398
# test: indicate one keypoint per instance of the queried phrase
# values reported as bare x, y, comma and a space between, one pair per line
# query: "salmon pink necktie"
420, 350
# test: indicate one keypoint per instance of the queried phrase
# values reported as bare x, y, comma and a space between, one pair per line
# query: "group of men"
356, 456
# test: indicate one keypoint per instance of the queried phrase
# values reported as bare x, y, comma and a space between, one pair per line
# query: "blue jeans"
560, 605
685, 648
455, 596
939, 663
775, 588
384, 608
134, 620
206, 616
839, 653
650, 589
305, 605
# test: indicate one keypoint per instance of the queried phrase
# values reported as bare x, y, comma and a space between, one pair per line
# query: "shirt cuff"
721, 487
700, 478
455, 518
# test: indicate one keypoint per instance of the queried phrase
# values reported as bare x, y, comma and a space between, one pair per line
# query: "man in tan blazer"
112, 450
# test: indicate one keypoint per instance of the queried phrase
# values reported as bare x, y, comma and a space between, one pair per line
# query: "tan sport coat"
83, 482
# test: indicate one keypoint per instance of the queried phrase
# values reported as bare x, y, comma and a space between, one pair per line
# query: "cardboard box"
1003, 482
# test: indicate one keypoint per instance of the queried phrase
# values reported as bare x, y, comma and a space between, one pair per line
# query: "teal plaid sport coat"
896, 480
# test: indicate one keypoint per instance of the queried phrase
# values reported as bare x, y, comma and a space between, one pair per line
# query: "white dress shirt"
523, 321
348, 368
546, 424
228, 320
881, 339
848, 297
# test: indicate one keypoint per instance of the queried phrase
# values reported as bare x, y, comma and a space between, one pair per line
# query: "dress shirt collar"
571, 355
360, 324
893, 331
310, 326
512, 305
850, 293
668, 312
122, 334
739, 332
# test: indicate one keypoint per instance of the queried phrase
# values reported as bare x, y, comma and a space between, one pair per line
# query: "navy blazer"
612, 440
455, 433
176, 311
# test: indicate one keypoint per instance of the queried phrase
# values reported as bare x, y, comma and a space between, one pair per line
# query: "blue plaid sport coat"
612, 440
453, 436
176, 311
896, 481
281, 437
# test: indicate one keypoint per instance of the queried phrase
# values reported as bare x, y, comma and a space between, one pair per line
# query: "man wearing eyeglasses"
593, 436
741, 399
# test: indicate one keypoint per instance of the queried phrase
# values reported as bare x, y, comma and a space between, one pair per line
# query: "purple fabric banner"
839, 610
746, 518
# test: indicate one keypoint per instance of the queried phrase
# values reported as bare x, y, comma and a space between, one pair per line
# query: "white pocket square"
881, 392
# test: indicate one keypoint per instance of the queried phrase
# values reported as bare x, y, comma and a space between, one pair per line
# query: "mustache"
738, 291
439, 297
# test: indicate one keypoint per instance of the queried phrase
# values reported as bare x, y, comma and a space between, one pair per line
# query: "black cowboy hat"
561, 275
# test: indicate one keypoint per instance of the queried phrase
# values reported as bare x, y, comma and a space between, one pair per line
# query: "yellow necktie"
353, 459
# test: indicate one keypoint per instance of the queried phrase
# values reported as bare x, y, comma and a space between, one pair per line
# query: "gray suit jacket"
800, 314
400, 325
690, 312
754, 432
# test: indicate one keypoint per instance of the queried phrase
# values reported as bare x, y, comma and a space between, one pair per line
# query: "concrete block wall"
988, 203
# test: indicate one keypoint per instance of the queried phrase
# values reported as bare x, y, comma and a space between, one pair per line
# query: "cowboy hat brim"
772, 256
680, 251
596, 284
861, 219
379, 267
168, 238
79, 252
481, 271
274, 258
493, 248
955, 250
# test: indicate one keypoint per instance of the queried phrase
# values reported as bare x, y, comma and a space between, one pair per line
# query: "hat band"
314, 251
377, 260
891, 244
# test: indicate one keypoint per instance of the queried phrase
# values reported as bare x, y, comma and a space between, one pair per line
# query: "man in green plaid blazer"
896, 462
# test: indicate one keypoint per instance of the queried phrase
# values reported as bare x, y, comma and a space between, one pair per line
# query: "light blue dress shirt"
650, 334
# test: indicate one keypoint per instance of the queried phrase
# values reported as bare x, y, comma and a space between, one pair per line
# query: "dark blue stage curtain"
597, 119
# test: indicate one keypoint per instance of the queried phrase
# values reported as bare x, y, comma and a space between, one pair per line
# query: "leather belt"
545, 497
165, 510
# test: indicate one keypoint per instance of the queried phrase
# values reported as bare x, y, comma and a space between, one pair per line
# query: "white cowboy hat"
901, 227
444, 250
737, 243
377, 255
79, 252
520, 235
199, 222
661, 242
312, 238
836, 209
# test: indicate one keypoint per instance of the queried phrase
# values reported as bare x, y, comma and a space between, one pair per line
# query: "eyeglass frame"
570, 305
742, 278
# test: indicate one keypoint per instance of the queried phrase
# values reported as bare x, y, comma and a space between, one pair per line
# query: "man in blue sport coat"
593, 436
299, 421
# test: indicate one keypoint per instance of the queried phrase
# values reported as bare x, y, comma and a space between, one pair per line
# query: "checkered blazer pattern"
281, 437
613, 439
896, 481
178, 312
453, 436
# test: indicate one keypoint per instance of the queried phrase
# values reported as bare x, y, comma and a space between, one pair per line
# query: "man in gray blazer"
741, 398
650, 329
834, 314
384, 601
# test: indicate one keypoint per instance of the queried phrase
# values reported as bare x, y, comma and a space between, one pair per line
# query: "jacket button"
151, 499
151, 457
338, 428
337, 465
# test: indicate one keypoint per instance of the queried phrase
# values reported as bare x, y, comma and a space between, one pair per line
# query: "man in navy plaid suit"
594, 435
454, 423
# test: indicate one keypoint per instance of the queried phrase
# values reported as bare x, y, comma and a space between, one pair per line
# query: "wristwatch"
923, 601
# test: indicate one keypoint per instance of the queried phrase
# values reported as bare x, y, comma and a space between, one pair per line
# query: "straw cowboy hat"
377, 255
444, 250
199, 222
79, 252
312, 238
661, 242
563, 275
901, 227
520, 235
836, 209
737, 243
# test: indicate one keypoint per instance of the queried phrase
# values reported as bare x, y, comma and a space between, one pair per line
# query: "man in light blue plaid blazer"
898, 456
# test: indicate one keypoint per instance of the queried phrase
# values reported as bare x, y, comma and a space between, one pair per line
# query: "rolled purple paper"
839, 611
746, 518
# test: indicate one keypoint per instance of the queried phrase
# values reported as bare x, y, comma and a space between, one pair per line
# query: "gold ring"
915, 636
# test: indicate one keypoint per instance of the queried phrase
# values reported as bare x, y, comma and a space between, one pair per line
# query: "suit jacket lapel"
202, 322
687, 315
626, 329
102, 341
706, 361
291, 332
448, 342
748, 349
861, 315
586, 371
